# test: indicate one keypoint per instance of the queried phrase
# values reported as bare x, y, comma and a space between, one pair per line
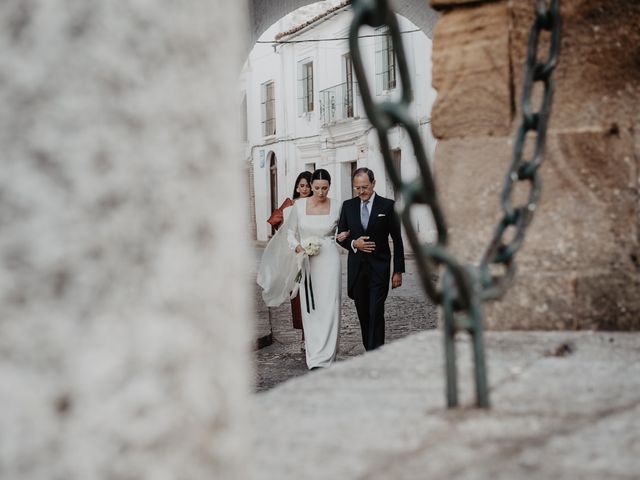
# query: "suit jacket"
383, 222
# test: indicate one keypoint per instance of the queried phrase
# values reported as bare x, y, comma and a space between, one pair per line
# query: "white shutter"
271, 107
310, 85
300, 85
379, 60
263, 107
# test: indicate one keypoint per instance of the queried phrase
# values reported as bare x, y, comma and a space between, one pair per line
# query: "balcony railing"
337, 103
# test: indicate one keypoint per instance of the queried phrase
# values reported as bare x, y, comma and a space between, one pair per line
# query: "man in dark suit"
370, 219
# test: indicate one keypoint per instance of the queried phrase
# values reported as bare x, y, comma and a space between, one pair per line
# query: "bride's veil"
279, 265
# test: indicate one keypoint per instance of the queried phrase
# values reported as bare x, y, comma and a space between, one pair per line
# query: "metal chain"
463, 287
521, 170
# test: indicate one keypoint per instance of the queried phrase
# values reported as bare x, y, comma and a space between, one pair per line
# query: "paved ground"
407, 311
565, 405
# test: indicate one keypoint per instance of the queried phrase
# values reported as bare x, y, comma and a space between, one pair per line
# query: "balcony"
336, 103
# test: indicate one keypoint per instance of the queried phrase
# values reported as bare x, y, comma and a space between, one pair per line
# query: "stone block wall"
580, 264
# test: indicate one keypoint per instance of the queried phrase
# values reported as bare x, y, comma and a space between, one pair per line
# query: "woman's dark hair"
307, 177
361, 171
321, 174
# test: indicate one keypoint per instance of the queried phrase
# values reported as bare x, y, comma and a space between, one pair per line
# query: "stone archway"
264, 13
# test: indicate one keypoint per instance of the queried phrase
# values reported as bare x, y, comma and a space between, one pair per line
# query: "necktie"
364, 214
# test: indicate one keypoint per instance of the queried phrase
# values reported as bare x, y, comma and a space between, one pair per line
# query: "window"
336, 103
396, 156
348, 88
305, 86
273, 184
243, 118
346, 174
385, 61
268, 109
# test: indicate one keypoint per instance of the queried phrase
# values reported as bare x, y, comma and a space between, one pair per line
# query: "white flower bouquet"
311, 246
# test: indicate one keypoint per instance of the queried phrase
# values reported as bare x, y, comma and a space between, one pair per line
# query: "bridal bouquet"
311, 247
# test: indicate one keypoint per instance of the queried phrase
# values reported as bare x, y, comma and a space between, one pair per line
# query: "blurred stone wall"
580, 264
124, 320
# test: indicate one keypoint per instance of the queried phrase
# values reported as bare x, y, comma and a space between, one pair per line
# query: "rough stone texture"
597, 83
471, 72
121, 265
579, 266
565, 405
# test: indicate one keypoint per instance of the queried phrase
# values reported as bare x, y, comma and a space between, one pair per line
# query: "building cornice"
345, 131
298, 29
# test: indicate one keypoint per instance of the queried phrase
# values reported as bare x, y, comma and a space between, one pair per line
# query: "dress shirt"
370, 207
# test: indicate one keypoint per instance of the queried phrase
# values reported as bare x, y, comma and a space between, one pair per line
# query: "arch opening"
303, 104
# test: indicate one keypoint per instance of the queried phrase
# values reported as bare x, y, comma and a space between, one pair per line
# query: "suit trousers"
369, 294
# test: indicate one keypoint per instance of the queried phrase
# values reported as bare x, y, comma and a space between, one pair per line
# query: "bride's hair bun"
321, 174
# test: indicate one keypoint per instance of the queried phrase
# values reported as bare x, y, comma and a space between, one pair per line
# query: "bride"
314, 269
312, 233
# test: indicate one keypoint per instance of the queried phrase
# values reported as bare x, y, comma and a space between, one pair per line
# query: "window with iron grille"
305, 86
348, 89
268, 108
385, 61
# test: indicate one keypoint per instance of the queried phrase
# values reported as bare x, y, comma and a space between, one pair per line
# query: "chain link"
499, 251
462, 288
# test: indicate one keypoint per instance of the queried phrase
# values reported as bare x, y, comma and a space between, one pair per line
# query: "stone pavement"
565, 405
262, 326
407, 311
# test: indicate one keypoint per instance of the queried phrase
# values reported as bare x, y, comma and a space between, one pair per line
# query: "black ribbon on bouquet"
308, 288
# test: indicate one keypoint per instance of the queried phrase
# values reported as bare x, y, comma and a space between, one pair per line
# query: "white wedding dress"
320, 298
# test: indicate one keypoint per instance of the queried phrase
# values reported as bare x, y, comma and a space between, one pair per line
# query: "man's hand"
343, 235
364, 246
396, 280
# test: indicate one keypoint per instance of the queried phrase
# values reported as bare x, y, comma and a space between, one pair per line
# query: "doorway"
273, 184
396, 156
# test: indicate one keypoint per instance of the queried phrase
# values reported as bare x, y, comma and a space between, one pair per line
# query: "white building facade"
303, 109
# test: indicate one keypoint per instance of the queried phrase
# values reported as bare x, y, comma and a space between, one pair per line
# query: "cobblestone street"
408, 310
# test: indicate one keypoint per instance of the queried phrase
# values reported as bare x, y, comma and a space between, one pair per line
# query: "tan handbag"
277, 216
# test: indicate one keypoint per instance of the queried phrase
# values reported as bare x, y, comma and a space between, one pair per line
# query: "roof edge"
299, 28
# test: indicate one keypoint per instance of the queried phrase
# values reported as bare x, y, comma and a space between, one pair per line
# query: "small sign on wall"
262, 155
